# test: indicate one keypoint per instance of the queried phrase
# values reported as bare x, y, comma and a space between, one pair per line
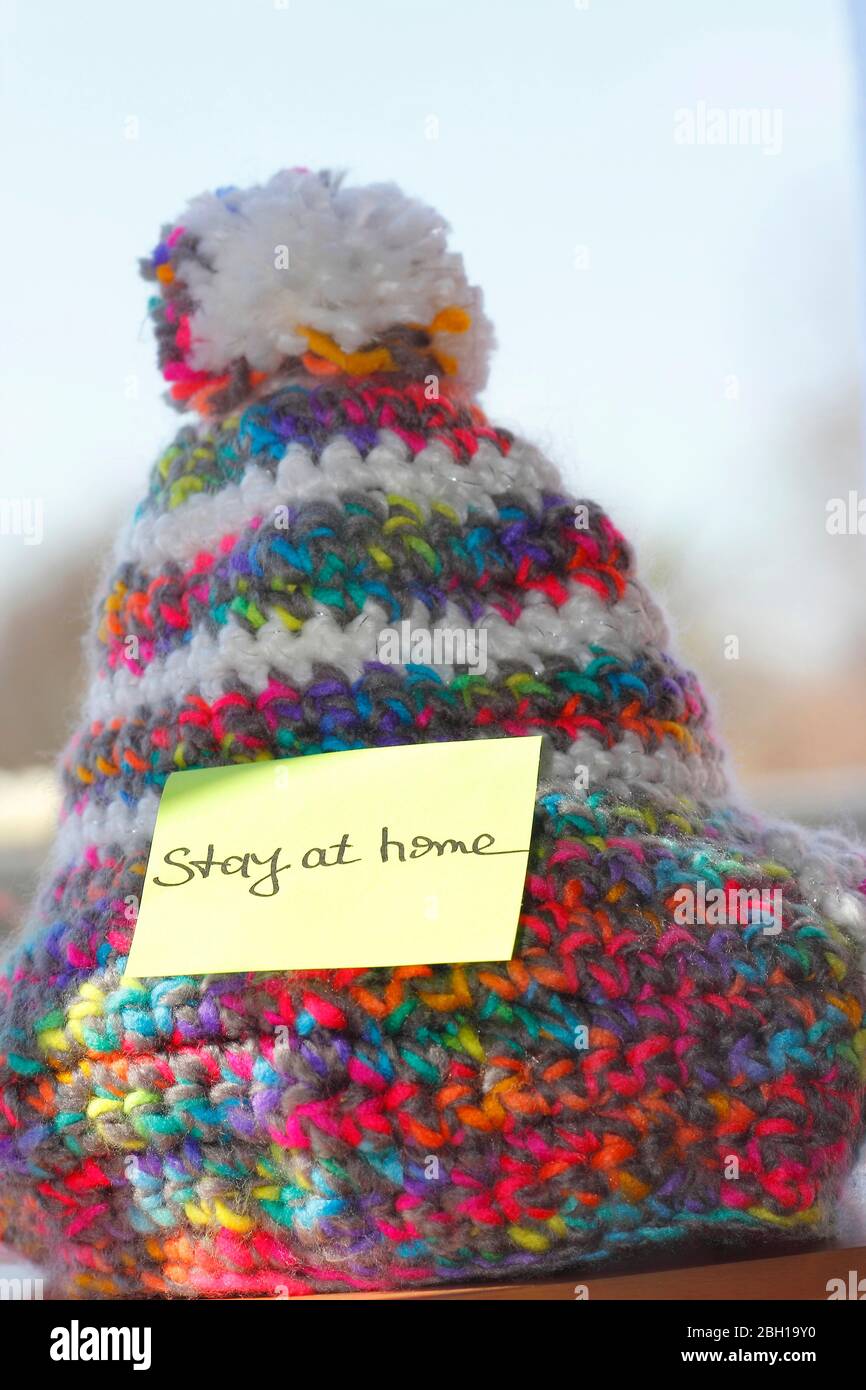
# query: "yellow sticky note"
374, 857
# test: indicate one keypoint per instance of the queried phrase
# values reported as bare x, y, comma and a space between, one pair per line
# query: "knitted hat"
675, 1051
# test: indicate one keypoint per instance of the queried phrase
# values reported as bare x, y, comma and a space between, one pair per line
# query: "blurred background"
663, 204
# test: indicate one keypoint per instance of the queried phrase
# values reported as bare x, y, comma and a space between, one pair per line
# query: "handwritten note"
375, 857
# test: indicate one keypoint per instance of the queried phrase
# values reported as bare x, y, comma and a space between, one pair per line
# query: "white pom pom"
304, 264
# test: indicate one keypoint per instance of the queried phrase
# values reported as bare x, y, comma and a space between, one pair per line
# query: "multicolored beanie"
675, 1052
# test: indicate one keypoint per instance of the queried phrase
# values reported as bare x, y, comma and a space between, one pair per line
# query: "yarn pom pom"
306, 274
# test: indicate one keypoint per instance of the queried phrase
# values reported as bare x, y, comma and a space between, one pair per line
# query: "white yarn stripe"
209, 665
822, 858
433, 476
627, 765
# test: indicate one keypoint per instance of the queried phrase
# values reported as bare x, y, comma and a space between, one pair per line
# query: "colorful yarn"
626, 1082
653, 704
312, 417
322, 557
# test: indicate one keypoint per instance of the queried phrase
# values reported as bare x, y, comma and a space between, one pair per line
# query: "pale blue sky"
556, 131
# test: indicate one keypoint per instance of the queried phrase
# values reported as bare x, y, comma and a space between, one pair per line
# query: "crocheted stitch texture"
628, 1080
